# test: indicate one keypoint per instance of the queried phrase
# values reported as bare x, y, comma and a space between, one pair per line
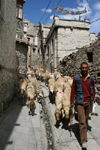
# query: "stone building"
32, 30
89, 54
21, 38
21, 28
21, 53
65, 37
34, 56
8, 61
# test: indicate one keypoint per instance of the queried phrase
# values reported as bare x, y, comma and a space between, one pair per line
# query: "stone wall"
21, 51
69, 40
89, 54
51, 58
32, 31
8, 62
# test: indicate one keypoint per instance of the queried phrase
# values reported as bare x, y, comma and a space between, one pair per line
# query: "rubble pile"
69, 65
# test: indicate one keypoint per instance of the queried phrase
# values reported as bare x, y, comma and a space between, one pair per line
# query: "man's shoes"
84, 144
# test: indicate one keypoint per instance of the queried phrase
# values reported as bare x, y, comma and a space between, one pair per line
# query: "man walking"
83, 89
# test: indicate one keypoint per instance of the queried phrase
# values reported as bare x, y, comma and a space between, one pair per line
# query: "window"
98, 74
48, 51
19, 12
90, 57
52, 47
20, 25
51, 67
34, 50
28, 39
19, 35
38, 53
35, 40
25, 27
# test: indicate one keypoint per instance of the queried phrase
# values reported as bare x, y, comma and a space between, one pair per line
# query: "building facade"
64, 38
8, 61
21, 38
32, 30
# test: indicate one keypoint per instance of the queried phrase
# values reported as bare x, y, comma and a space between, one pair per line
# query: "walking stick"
71, 119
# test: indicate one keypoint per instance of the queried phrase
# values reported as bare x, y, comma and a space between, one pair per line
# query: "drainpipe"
30, 54
56, 44
55, 56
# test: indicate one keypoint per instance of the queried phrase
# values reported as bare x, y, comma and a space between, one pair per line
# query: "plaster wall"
8, 61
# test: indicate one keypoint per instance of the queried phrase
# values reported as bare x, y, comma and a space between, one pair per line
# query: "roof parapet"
55, 17
86, 20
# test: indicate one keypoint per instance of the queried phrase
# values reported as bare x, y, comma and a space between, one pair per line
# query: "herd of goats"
59, 92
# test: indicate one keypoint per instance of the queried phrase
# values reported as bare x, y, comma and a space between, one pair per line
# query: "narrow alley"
43, 50
20, 131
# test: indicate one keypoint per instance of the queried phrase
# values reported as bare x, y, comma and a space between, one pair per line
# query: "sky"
44, 10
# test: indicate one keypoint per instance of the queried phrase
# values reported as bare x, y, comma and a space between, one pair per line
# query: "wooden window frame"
19, 7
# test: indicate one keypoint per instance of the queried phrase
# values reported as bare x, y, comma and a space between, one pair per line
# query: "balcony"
19, 25
21, 2
21, 37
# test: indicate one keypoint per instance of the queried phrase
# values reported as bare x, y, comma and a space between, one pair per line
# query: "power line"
45, 10
86, 25
94, 20
30, 7
63, 35
51, 12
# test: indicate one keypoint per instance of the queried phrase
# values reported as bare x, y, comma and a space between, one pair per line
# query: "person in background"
83, 91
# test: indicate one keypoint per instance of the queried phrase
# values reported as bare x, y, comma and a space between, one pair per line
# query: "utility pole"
30, 53
79, 9
56, 10
42, 48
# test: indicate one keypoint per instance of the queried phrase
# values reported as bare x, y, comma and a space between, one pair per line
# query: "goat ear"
55, 112
60, 112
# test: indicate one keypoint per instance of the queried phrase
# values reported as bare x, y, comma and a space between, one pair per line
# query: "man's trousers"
83, 115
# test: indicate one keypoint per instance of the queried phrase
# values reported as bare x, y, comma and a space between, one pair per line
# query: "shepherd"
83, 89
